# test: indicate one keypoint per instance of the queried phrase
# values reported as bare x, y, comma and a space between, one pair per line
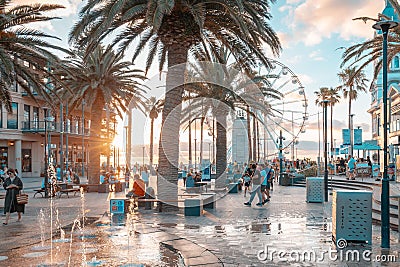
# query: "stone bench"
209, 200
193, 206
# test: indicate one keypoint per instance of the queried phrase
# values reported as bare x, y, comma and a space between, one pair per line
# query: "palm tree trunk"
167, 180
151, 144
349, 110
249, 133
129, 140
190, 139
332, 131
201, 140
96, 144
190, 144
221, 150
108, 137
254, 139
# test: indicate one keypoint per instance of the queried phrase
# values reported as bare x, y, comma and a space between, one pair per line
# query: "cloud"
316, 55
71, 6
311, 21
308, 145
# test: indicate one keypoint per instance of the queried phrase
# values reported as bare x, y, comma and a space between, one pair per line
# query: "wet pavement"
230, 235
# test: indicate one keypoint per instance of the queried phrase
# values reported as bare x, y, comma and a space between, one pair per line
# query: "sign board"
375, 170
357, 136
346, 136
117, 206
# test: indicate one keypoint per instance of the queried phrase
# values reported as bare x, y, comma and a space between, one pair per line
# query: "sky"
311, 33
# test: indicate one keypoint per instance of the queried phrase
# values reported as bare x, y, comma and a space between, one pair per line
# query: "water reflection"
93, 246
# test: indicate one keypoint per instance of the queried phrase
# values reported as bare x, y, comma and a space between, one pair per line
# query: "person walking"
247, 181
13, 185
351, 166
145, 176
266, 183
256, 180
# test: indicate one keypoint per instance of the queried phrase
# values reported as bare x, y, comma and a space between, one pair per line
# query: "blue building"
376, 109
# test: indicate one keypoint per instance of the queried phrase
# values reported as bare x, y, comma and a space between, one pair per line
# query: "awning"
367, 146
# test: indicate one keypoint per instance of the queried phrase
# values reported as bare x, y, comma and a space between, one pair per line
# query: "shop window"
35, 117
3, 157
26, 160
27, 117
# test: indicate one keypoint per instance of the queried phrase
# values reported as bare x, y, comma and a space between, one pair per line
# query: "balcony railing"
52, 126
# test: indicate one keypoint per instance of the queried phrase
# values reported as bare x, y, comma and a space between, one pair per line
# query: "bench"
194, 206
159, 202
90, 187
67, 191
209, 200
40, 191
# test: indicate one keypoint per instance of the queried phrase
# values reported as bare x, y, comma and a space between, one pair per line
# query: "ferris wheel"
287, 114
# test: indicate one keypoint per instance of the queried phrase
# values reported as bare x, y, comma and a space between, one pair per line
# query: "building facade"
32, 126
376, 109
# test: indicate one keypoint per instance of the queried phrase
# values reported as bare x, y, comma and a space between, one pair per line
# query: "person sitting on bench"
138, 187
76, 179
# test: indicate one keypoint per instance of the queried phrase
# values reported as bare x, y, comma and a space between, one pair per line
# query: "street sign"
357, 136
346, 136
117, 206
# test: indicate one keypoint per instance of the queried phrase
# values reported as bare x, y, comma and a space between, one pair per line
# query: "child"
246, 179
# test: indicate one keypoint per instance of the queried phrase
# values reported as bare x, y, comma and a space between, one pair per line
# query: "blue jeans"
254, 192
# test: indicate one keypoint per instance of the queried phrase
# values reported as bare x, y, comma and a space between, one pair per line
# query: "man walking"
256, 180
351, 166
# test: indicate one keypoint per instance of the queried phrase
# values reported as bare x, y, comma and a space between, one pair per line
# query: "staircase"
340, 183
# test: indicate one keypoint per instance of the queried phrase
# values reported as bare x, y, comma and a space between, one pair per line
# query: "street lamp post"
195, 154
83, 138
143, 156
127, 165
61, 140
280, 156
326, 149
384, 26
46, 177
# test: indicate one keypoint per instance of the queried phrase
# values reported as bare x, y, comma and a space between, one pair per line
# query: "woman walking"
13, 185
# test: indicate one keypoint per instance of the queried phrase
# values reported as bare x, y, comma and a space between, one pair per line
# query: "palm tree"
220, 89
24, 52
332, 95
370, 51
154, 108
334, 98
101, 78
353, 81
322, 95
171, 29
